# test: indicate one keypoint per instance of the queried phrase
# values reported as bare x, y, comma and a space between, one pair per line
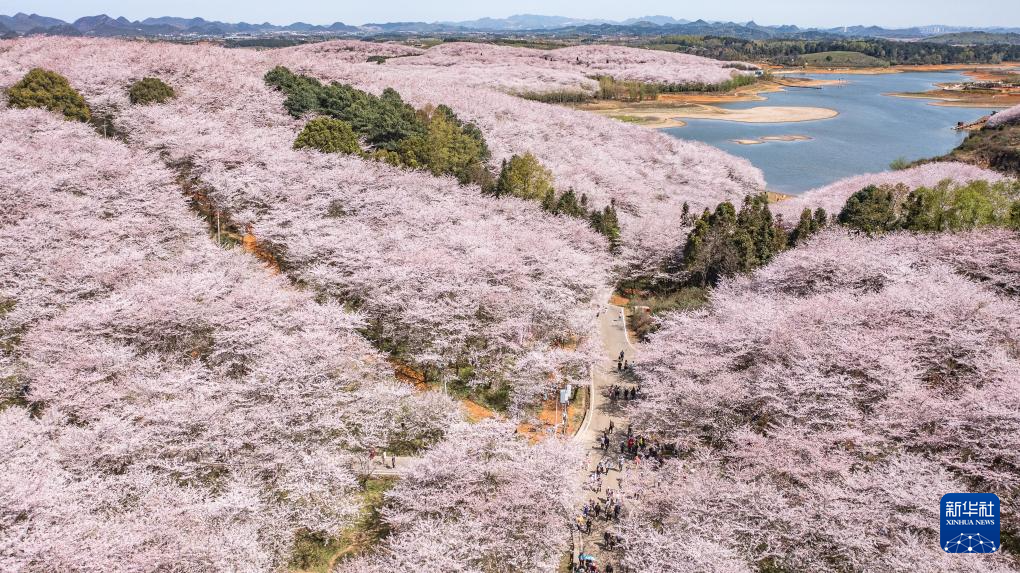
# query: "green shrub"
447, 146
945, 207
872, 209
150, 90
328, 135
559, 96
606, 223
430, 138
625, 90
523, 176
383, 121
899, 164
953, 207
809, 224
51, 91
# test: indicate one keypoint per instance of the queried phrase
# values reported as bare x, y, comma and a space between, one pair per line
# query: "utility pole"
557, 418
219, 243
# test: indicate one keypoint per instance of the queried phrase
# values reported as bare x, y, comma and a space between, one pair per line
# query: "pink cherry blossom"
1005, 117
482, 500
823, 405
168, 404
519, 70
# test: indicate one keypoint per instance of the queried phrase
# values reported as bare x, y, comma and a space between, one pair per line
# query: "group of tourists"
622, 364
392, 463
609, 540
616, 392
602, 468
603, 509
606, 464
637, 447
610, 507
586, 564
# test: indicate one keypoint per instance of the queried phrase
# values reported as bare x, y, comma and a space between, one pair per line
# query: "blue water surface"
870, 131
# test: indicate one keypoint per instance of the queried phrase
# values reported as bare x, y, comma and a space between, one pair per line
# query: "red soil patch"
476, 412
250, 244
546, 419
409, 375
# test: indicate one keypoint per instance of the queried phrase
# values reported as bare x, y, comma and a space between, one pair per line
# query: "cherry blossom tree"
173, 405
822, 406
497, 291
517, 70
167, 404
649, 175
484, 499
1005, 117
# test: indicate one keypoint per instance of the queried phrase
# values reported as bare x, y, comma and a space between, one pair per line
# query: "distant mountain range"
103, 25
529, 22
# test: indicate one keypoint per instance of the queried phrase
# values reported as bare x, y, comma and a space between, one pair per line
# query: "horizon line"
605, 20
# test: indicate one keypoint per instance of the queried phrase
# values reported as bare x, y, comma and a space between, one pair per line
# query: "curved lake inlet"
871, 130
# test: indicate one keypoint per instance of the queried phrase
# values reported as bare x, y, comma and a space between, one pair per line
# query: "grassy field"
842, 60
630, 118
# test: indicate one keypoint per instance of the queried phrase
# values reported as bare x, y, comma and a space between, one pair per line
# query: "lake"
870, 131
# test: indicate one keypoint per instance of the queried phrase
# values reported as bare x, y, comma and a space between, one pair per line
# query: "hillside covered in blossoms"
352, 306
826, 402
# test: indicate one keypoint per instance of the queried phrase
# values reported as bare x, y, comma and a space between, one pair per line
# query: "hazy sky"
824, 13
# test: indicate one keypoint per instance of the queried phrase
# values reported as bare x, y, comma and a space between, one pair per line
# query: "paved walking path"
390, 469
613, 328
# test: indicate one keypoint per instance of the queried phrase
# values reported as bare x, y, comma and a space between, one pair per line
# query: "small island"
768, 138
